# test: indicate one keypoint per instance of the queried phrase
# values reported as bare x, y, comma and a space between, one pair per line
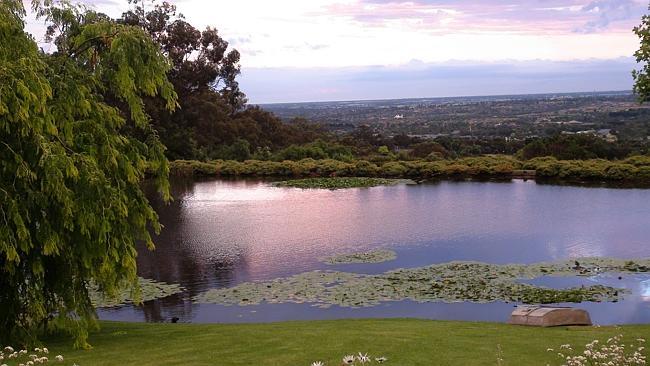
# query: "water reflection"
645, 290
220, 233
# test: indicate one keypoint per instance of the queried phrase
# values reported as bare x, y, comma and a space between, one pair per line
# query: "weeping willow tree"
642, 55
75, 142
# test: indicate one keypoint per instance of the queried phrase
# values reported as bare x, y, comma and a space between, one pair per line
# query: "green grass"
403, 341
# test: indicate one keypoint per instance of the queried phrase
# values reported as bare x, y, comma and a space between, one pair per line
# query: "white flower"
381, 359
363, 358
9, 349
348, 360
59, 358
45, 350
317, 363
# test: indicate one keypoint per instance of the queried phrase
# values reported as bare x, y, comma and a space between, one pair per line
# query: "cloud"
240, 40
607, 11
344, 33
306, 46
447, 16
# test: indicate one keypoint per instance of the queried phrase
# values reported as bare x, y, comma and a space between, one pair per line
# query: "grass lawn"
403, 341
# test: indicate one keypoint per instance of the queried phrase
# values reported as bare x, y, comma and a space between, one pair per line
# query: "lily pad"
149, 290
375, 256
340, 183
446, 282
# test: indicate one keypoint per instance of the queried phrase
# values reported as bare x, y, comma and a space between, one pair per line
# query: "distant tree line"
213, 121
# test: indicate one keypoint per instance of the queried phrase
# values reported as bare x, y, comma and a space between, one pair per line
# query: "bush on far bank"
632, 169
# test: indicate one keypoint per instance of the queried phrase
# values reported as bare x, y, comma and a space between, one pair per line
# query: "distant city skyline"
317, 50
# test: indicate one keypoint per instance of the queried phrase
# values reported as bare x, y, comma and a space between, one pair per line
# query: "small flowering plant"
614, 352
358, 359
22, 357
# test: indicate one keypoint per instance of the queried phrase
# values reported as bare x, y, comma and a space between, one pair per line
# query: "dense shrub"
239, 150
458, 169
638, 161
573, 147
365, 168
424, 149
392, 169
318, 149
634, 169
621, 172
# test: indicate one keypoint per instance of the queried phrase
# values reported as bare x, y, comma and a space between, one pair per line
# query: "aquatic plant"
149, 290
338, 183
375, 256
446, 282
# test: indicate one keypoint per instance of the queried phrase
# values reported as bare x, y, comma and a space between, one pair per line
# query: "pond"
219, 234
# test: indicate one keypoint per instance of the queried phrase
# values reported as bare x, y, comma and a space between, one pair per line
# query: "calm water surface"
221, 233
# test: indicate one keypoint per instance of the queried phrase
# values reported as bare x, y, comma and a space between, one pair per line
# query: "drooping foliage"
71, 206
642, 76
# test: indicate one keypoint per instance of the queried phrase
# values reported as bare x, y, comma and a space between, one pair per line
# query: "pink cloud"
527, 16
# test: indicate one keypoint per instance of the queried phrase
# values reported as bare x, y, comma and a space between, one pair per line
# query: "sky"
319, 50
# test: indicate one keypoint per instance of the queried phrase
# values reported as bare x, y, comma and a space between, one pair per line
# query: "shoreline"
633, 172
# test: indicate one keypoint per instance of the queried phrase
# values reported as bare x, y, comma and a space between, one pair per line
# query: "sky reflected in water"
220, 233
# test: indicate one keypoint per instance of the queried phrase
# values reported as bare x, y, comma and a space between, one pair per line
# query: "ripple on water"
222, 233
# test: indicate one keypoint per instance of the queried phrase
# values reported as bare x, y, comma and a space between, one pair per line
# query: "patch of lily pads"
149, 290
375, 256
447, 282
340, 182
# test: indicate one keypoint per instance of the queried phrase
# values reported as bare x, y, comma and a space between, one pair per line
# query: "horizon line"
629, 91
